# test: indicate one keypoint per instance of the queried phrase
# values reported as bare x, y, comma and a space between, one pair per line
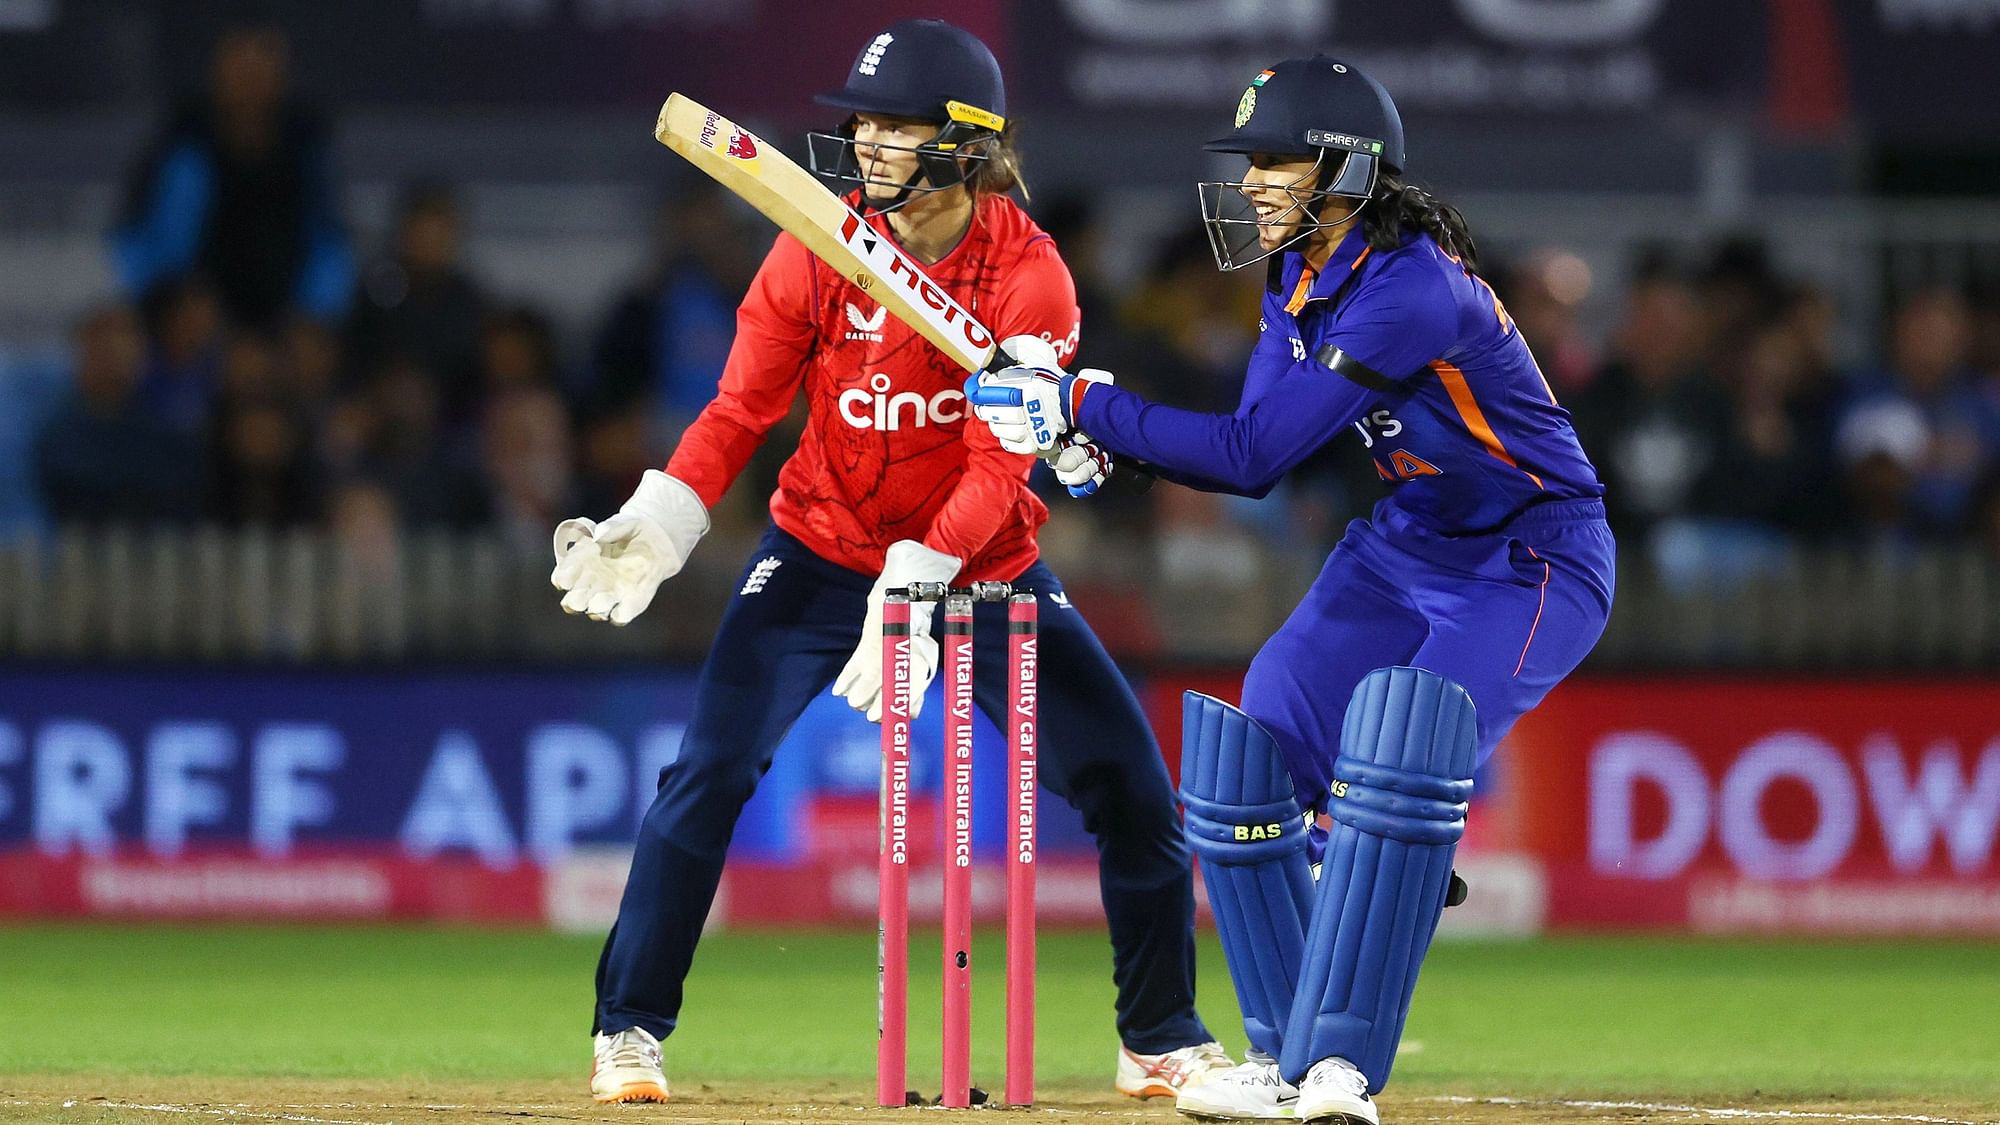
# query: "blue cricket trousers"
781, 645
1505, 615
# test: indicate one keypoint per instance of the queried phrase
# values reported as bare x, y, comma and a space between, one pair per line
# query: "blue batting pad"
1248, 832
1400, 786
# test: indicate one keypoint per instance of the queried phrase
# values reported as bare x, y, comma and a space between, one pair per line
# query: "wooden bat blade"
791, 197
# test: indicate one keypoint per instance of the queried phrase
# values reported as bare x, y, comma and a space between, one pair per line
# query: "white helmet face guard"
1233, 223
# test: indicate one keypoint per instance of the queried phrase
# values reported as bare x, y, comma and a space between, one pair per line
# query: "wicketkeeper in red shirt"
890, 485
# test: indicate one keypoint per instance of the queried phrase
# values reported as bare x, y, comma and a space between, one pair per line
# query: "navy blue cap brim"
1249, 141
858, 103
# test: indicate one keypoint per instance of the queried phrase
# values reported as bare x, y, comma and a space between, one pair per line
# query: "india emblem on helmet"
1246, 107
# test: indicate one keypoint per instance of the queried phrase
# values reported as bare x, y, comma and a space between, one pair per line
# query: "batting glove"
1029, 351
1080, 463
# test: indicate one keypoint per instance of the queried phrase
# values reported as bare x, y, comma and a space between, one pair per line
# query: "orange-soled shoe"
1164, 1075
625, 1067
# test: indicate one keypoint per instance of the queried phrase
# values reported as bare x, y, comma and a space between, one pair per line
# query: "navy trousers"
781, 642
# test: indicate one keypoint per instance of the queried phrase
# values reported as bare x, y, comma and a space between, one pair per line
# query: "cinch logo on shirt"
881, 410
866, 327
1065, 347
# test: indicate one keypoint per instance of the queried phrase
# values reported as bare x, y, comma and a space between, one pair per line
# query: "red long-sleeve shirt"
886, 453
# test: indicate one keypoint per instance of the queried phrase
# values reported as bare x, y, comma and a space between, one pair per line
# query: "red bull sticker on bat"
741, 146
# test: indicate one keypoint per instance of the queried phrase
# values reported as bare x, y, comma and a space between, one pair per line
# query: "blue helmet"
1320, 109
927, 70
1306, 106
918, 68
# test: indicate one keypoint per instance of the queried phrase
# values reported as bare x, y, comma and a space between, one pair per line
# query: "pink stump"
957, 1082
1023, 647
893, 906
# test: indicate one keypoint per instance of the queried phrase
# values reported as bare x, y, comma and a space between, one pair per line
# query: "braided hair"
1397, 207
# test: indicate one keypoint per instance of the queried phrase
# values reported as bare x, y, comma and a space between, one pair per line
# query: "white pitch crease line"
211, 1111
1711, 1111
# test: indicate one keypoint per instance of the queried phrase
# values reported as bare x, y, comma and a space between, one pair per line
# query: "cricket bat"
794, 199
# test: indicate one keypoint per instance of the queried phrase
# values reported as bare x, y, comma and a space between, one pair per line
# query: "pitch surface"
371, 1024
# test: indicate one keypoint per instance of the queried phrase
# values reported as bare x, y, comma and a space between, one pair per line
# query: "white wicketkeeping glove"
860, 683
609, 571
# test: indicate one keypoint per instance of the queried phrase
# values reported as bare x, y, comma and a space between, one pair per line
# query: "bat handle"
978, 395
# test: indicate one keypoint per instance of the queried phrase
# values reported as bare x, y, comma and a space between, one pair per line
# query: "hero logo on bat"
893, 267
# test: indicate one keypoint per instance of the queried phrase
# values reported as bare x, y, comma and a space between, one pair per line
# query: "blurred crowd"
261, 370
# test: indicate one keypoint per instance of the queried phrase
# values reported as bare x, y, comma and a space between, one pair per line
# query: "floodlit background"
315, 318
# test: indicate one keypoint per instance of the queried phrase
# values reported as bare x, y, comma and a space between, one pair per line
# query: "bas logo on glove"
1022, 405
1043, 434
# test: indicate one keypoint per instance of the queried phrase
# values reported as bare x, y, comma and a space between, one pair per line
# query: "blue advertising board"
504, 767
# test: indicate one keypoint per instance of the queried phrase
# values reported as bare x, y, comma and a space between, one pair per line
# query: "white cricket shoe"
1253, 1090
1166, 1075
1335, 1091
625, 1067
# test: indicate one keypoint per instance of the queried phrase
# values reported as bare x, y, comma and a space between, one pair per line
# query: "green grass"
1624, 1017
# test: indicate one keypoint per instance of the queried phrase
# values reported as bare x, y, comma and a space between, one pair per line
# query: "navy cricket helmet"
916, 68
926, 70
1319, 109
1305, 106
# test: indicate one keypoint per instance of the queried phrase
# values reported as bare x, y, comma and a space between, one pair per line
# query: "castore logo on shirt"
866, 327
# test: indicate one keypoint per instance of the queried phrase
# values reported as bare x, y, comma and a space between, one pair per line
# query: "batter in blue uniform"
1481, 580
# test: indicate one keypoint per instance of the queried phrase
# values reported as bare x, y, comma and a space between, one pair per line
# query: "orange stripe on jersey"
1475, 418
1306, 278
1361, 257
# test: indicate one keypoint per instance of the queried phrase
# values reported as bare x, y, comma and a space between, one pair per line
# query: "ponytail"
1396, 208
1000, 172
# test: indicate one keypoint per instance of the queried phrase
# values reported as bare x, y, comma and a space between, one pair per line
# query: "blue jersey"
1406, 352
